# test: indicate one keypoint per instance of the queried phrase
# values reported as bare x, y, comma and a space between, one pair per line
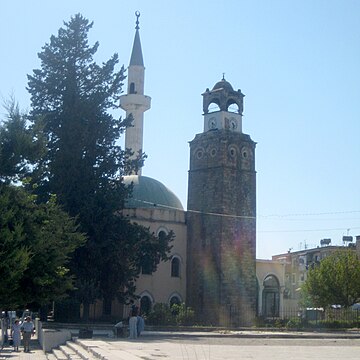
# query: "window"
132, 88
174, 300
146, 268
162, 235
175, 267
145, 305
293, 279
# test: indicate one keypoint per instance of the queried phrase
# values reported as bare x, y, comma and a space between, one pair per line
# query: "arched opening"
174, 300
232, 107
132, 88
162, 235
146, 267
214, 106
175, 267
145, 305
271, 297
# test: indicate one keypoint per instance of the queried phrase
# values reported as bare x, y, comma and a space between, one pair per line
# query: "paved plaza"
232, 347
214, 346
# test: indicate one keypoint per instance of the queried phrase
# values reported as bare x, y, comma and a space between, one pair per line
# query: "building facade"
212, 265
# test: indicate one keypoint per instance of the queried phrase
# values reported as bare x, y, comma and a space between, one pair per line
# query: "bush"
178, 315
160, 315
295, 323
183, 315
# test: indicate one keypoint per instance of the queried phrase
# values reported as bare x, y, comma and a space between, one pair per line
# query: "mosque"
213, 266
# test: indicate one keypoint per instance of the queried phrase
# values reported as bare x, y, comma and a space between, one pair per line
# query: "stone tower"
135, 102
221, 217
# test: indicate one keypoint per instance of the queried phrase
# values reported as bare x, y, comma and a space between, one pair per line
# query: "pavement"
216, 345
36, 352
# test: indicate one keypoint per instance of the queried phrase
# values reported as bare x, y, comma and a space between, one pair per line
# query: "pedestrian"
27, 329
140, 325
16, 334
133, 323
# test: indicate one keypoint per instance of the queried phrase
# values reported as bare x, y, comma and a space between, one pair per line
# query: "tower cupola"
223, 107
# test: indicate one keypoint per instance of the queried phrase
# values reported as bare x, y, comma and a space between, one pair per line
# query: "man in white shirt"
27, 329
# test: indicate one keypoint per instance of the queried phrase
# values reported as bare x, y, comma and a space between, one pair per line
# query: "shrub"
295, 323
183, 315
178, 314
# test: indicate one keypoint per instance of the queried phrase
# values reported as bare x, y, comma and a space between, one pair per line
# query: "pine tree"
71, 96
20, 145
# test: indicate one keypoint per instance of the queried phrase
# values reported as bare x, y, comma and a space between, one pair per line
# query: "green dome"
148, 193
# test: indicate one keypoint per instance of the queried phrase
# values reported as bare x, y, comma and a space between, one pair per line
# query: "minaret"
135, 102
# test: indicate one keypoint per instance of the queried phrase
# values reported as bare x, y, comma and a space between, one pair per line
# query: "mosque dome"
223, 84
148, 193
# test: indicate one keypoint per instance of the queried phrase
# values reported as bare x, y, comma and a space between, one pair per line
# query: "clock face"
212, 123
233, 124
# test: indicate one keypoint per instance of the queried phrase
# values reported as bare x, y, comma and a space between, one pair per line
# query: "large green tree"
35, 239
72, 97
336, 280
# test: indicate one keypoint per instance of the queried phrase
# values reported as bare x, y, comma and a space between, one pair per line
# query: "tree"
20, 145
71, 97
36, 241
336, 280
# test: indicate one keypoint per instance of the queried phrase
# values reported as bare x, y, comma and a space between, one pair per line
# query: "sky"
297, 62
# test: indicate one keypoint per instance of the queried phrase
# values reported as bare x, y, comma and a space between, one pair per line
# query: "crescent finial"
137, 14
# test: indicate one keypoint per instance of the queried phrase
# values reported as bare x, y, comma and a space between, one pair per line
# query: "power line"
312, 214
250, 217
156, 205
304, 230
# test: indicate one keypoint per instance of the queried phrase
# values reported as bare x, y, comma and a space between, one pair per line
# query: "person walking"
133, 324
16, 334
27, 329
140, 325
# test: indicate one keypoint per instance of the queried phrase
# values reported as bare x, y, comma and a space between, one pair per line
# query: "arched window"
146, 267
162, 235
132, 88
174, 300
214, 106
232, 106
175, 267
145, 304
271, 297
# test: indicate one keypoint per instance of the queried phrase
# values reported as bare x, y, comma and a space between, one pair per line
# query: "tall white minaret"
135, 102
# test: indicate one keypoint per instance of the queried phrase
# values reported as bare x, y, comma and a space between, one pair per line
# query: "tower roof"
223, 84
136, 54
223, 95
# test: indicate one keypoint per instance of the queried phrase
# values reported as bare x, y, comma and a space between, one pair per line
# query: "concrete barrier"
52, 338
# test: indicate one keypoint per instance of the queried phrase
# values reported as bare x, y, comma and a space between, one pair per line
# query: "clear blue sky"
297, 62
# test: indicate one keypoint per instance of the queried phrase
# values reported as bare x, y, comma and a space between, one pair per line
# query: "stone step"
50, 356
80, 350
105, 351
59, 355
69, 352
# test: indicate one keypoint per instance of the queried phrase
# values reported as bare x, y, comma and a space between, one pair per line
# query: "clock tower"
221, 216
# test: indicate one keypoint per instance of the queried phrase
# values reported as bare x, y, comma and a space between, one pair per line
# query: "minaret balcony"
135, 102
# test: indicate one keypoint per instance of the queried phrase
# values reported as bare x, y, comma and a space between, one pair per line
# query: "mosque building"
213, 266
